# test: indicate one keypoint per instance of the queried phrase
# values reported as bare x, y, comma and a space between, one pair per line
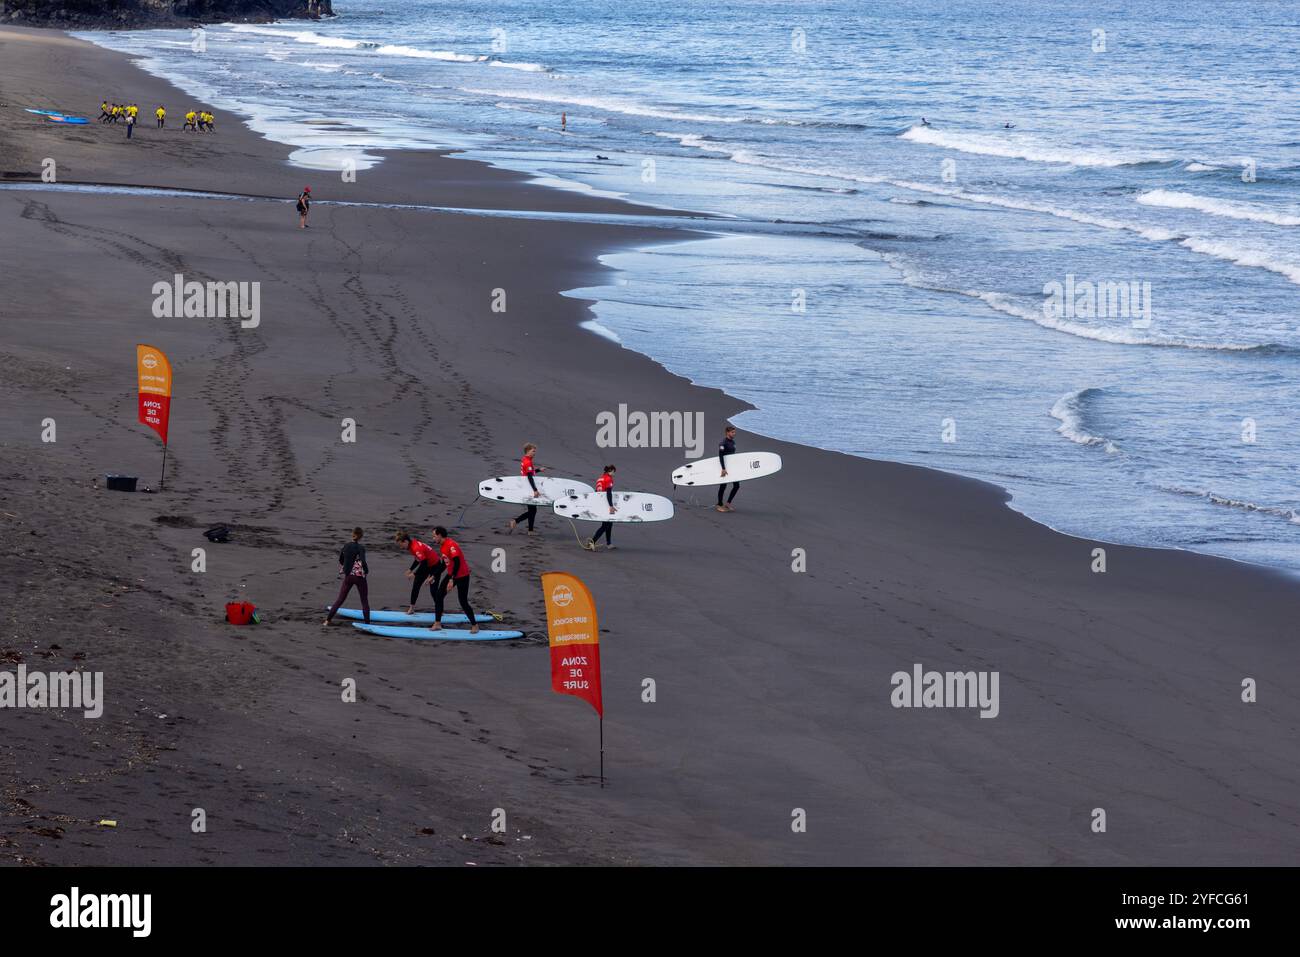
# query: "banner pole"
602, 750
163, 475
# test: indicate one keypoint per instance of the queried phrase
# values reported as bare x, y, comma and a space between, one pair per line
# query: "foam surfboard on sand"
740, 466
630, 507
401, 617
516, 490
428, 634
72, 120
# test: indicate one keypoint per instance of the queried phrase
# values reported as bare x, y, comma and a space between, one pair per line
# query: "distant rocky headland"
125, 14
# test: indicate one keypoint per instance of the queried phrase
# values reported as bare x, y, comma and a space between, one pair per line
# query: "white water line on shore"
698, 224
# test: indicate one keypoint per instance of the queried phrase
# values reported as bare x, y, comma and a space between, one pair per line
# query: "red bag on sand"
241, 613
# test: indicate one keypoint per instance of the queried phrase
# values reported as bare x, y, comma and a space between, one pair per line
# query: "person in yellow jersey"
133, 110
162, 116
191, 119
105, 115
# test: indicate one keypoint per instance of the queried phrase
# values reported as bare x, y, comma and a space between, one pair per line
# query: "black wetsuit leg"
421, 574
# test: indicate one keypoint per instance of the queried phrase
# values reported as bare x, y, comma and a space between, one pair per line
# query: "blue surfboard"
428, 634
73, 120
43, 112
401, 618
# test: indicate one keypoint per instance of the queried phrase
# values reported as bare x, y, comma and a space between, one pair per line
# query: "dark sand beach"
1119, 691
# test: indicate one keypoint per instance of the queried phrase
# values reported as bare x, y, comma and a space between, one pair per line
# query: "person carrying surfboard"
727, 447
527, 469
457, 574
304, 206
426, 564
604, 484
353, 568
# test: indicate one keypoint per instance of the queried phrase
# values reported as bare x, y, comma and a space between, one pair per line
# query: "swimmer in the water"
924, 121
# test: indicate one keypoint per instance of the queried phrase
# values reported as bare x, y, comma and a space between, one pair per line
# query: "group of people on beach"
199, 121
605, 483
117, 112
442, 564
196, 121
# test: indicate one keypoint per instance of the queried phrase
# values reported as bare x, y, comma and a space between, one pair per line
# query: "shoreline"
774, 686
382, 155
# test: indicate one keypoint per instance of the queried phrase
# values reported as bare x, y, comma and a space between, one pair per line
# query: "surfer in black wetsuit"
353, 568
727, 447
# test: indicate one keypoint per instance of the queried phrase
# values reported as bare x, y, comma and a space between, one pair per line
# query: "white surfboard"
629, 507
516, 490
740, 466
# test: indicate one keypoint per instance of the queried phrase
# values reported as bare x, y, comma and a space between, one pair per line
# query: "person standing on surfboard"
727, 447
353, 568
426, 564
604, 484
458, 574
527, 469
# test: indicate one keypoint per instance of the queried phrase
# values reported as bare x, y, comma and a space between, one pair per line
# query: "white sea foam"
607, 104
1278, 511
1070, 410
1115, 333
524, 67
1228, 251
373, 46
591, 325
1017, 146
1217, 207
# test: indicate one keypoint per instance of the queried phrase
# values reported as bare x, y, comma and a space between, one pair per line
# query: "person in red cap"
304, 206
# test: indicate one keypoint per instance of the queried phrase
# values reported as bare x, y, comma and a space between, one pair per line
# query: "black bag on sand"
218, 533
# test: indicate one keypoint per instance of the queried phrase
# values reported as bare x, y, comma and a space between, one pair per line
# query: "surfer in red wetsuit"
604, 484
426, 563
458, 574
527, 469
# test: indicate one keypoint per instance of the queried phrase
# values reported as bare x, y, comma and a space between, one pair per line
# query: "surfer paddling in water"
727, 447
604, 484
527, 469
457, 574
353, 568
426, 564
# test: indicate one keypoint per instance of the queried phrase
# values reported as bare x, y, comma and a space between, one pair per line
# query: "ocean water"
1144, 149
